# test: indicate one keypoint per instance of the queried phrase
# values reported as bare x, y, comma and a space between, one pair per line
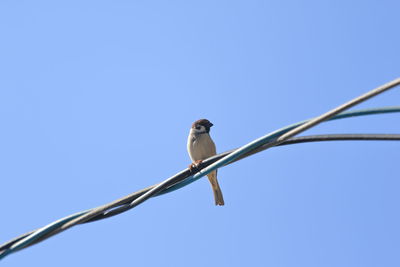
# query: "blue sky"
96, 101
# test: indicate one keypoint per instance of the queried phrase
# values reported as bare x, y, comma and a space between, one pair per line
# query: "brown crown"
204, 122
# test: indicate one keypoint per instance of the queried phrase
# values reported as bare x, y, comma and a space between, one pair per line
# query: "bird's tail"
219, 199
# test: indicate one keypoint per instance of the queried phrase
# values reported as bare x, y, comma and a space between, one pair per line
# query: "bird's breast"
201, 147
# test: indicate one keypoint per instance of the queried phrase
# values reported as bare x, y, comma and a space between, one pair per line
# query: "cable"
179, 177
293, 140
331, 137
339, 109
174, 182
182, 175
183, 178
285, 134
341, 137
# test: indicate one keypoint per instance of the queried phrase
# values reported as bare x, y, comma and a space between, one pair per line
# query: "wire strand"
339, 109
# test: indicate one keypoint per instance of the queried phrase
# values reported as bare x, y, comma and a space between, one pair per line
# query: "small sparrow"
200, 146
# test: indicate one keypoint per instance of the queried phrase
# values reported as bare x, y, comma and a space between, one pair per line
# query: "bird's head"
201, 126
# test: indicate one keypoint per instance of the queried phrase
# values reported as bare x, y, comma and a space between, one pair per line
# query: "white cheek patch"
196, 132
201, 129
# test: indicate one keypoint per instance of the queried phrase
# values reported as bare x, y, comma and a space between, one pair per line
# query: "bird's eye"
197, 127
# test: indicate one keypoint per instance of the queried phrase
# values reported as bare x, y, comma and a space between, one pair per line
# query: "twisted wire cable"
185, 177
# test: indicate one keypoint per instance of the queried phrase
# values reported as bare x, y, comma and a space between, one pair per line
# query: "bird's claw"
195, 165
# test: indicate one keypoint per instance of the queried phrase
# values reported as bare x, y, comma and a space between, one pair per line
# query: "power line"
184, 174
293, 140
185, 177
339, 109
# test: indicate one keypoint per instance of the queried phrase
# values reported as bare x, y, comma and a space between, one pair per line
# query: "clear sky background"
96, 101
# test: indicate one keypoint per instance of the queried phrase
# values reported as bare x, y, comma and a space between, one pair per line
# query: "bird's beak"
210, 125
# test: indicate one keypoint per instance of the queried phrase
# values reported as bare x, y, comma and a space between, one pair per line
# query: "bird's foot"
198, 162
195, 165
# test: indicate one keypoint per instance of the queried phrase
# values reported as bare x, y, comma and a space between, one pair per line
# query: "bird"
200, 146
